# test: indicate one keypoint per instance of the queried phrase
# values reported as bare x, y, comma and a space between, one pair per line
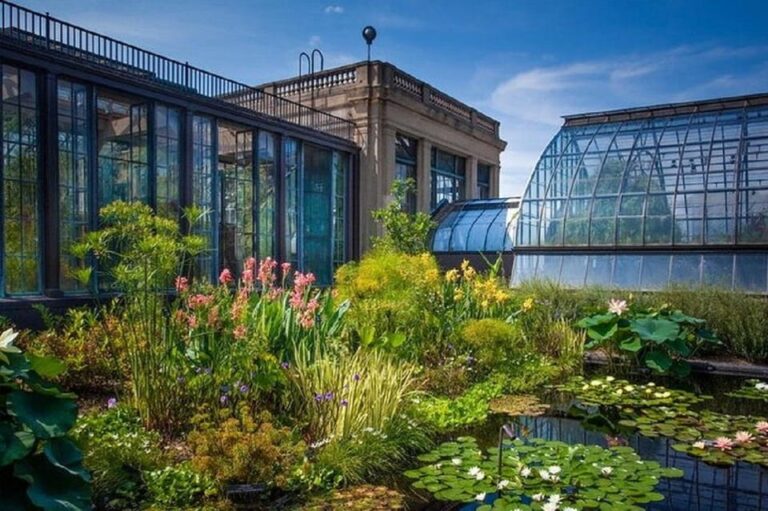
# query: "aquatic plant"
610, 391
538, 474
524, 404
752, 389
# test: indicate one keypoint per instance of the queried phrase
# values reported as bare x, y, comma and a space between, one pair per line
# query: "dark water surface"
742, 487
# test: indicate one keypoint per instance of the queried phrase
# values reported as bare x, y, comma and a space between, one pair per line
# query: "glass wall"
317, 219
167, 160
683, 183
406, 157
477, 226
340, 173
74, 189
122, 123
291, 181
237, 231
203, 196
20, 196
448, 177
267, 206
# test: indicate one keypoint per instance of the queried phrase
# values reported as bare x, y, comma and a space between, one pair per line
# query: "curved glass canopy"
686, 185
485, 225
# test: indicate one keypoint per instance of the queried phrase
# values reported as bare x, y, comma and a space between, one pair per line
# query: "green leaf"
64, 454
47, 416
658, 361
656, 330
47, 367
52, 488
14, 445
633, 344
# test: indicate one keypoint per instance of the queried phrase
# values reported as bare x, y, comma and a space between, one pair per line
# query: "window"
291, 159
203, 182
167, 160
235, 146
122, 148
266, 185
406, 157
20, 177
448, 174
340, 169
74, 159
483, 181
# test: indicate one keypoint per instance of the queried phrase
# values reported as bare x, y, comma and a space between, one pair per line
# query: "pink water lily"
724, 443
762, 427
617, 307
744, 437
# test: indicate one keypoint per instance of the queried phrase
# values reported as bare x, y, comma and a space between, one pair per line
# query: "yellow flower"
458, 295
452, 275
528, 304
484, 304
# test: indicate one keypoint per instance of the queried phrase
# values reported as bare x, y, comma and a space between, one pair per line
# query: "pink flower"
239, 332
192, 321
239, 305
267, 272
199, 300
225, 277
743, 437
182, 284
724, 443
213, 316
762, 427
617, 307
286, 269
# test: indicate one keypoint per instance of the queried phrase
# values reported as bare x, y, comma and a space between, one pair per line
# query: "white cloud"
530, 103
334, 9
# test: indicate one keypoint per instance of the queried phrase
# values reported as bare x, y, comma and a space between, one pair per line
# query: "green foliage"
538, 474
178, 487
660, 339
39, 466
404, 232
494, 342
751, 389
117, 451
236, 447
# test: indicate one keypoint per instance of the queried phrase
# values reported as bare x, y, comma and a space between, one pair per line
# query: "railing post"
186, 74
47, 30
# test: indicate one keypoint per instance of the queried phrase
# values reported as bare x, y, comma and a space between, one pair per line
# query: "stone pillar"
470, 178
495, 181
424, 176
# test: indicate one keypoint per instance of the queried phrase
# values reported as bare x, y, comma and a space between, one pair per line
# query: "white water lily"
569, 508
609, 379
502, 484
456, 461
554, 499
699, 445
629, 388
548, 506
544, 475
595, 383
473, 471
606, 471
538, 497
554, 469
480, 497
761, 386
6, 341
438, 466
480, 476
525, 472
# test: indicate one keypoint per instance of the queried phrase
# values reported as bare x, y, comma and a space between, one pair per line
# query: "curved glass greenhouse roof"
485, 225
646, 197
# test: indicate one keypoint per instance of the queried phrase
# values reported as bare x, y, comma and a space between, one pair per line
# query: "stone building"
450, 149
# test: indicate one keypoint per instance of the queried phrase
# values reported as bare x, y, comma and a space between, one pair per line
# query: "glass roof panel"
482, 225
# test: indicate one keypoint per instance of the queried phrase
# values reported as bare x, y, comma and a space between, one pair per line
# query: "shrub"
494, 342
403, 231
238, 448
40, 468
117, 451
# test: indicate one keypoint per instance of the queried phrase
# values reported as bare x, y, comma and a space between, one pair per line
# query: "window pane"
267, 198
317, 209
291, 158
340, 171
524, 268
627, 271
686, 269
235, 158
74, 159
573, 270
717, 270
655, 272
167, 160
599, 270
21, 212
203, 196
751, 273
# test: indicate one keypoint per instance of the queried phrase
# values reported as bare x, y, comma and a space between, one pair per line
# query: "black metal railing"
24, 26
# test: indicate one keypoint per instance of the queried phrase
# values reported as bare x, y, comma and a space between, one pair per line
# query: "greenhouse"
648, 197
477, 230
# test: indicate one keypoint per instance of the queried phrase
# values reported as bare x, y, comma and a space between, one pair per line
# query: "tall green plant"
403, 231
40, 468
139, 255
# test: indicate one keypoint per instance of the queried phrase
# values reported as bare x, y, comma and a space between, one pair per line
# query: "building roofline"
355, 65
663, 110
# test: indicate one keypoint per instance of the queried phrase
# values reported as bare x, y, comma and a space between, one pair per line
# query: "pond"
702, 486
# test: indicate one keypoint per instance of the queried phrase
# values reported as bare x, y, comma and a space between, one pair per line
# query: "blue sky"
524, 62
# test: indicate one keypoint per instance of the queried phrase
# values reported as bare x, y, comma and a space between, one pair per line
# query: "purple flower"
344, 402
244, 388
319, 398
329, 396
285, 365
356, 377
223, 400
111, 402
